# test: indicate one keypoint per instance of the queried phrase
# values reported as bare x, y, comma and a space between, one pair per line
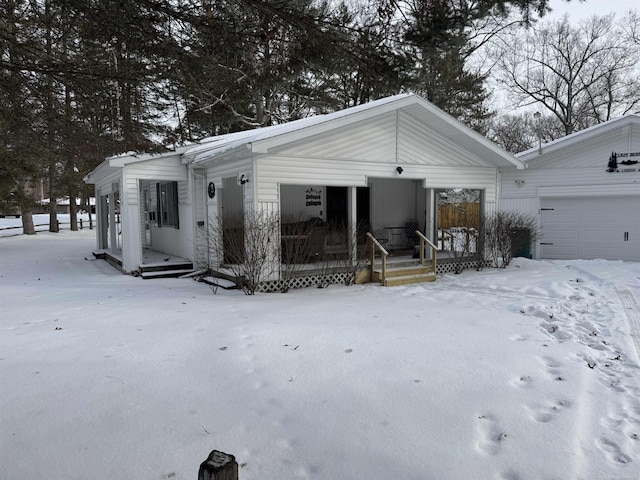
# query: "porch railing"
424, 240
375, 244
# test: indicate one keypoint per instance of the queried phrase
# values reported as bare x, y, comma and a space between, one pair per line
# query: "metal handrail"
383, 251
434, 250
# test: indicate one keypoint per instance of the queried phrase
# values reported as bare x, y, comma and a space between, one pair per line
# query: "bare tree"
582, 75
248, 246
631, 26
514, 133
301, 244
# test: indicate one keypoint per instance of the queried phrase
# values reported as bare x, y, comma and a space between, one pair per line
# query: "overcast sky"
579, 10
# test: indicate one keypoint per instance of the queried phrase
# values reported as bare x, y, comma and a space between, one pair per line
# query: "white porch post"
113, 234
352, 216
131, 226
430, 220
102, 220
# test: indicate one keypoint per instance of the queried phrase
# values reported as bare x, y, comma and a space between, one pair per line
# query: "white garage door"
590, 227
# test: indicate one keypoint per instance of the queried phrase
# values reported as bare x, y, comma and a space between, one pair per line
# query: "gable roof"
605, 128
261, 139
428, 115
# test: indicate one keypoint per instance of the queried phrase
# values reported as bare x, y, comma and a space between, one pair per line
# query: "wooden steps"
165, 269
404, 275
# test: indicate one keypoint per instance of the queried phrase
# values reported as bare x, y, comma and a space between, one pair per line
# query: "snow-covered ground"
525, 373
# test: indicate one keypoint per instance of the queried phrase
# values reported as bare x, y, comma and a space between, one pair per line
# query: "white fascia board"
129, 159
209, 144
118, 161
228, 149
101, 171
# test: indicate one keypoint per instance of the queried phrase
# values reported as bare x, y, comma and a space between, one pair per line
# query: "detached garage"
585, 191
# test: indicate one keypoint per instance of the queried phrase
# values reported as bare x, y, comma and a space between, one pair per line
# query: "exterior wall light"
399, 170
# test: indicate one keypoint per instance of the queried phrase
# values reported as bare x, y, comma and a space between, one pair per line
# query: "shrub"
506, 233
250, 251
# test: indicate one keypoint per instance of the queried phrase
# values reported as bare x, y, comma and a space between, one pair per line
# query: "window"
167, 204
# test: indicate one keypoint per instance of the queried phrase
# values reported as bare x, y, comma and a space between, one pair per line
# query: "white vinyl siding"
373, 140
273, 171
162, 169
592, 178
392, 137
420, 146
592, 153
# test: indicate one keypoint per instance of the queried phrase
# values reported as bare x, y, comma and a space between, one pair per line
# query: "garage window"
167, 204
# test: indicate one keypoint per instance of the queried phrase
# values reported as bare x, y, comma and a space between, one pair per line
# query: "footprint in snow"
522, 381
612, 451
552, 368
490, 436
509, 475
519, 338
555, 331
546, 412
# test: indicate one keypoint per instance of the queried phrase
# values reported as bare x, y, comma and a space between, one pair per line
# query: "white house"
381, 163
587, 207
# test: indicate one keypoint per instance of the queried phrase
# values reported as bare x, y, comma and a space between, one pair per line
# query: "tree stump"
218, 466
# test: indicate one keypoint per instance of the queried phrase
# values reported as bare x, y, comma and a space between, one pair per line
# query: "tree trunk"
27, 219
53, 219
73, 211
53, 214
